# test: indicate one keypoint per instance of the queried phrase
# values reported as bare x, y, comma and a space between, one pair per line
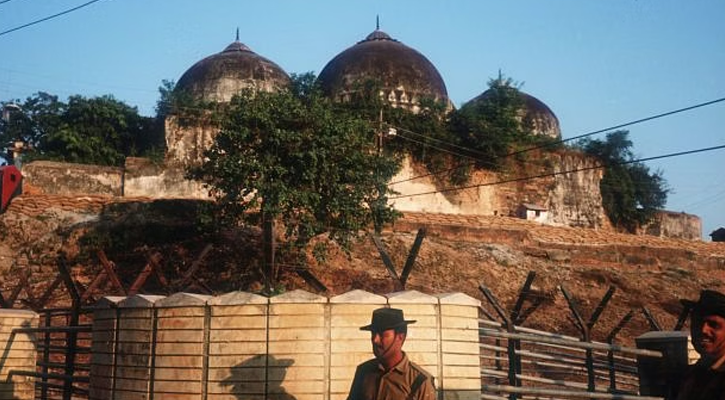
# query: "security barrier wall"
17, 354
296, 345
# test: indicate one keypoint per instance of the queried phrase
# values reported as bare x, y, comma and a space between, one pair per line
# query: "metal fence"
531, 364
523, 363
63, 361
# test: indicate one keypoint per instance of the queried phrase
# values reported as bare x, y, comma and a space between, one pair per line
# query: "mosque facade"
405, 77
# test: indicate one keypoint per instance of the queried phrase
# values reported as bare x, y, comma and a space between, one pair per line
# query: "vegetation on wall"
631, 193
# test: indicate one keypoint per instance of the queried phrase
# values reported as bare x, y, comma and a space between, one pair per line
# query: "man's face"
708, 335
387, 344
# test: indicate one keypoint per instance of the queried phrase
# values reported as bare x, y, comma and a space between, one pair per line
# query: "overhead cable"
554, 143
17, 28
549, 174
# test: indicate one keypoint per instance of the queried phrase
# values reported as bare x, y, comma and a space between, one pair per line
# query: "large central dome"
405, 75
219, 77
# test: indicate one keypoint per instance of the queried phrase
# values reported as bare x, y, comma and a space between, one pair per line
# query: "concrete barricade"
17, 354
297, 345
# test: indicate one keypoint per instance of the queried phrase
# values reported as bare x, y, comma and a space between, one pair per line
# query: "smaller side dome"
535, 114
219, 77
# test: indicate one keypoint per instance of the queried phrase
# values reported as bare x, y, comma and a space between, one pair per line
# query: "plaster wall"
297, 345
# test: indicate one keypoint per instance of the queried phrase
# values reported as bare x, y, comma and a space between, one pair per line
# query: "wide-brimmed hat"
709, 303
386, 318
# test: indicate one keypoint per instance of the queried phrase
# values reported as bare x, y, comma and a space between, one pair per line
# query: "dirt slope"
458, 254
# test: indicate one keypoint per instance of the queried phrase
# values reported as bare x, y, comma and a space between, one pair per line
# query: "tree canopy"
296, 156
491, 126
97, 130
631, 193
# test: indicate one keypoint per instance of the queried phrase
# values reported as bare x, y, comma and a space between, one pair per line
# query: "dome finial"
237, 34
377, 22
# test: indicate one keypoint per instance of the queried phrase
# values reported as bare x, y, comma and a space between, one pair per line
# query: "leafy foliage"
491, 126
185, 108
425, 135
296, 156
631, 193
99, 130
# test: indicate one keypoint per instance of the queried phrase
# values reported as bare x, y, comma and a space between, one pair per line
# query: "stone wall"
674, 225
186, 141
297, 345
572, 199
144, 178
18, 354
67, 178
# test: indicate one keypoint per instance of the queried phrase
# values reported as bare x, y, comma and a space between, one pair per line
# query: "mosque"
569, 197
406, 76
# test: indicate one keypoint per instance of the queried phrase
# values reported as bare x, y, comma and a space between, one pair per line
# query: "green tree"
424, 135
491, 125
631, 193
98, 130
29, 122
297, 157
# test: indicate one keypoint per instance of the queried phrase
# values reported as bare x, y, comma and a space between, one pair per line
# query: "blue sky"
595, 63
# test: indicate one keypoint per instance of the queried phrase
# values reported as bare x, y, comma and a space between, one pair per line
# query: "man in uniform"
390, 375
706, 379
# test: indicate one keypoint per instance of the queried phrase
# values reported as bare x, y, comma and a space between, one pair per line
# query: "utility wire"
611, 128
434, 147
17, 28
5, 1
453, 145
526, 178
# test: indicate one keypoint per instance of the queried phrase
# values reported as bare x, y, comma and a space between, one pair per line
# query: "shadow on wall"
7, 390
7, 387
260, 375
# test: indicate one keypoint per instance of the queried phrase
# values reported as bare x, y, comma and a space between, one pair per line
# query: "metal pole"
46, 356
512, 342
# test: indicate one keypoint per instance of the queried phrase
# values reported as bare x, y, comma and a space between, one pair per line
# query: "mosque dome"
535, 114
220, 76
405, 75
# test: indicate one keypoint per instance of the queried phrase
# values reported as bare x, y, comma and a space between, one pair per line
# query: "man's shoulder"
420, 370
371, 364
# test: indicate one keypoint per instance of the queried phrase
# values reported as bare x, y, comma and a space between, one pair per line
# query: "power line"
531, 177
5, 1
434, 147
17, 28
705, 201
443, 142
549, 144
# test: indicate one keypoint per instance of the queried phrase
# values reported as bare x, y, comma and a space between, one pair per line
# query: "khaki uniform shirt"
372, 382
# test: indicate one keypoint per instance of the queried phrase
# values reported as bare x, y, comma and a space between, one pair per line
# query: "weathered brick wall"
18, 354
296, 345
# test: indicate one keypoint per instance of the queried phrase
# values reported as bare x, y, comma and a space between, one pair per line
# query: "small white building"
533, 212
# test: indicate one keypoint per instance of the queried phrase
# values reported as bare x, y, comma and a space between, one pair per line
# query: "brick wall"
297, 345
